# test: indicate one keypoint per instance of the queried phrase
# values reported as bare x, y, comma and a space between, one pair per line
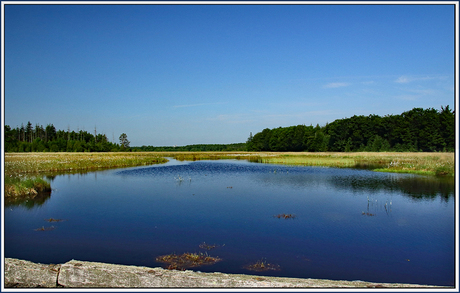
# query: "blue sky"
190, 74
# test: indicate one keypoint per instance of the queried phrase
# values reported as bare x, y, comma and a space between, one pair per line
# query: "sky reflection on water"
350, 224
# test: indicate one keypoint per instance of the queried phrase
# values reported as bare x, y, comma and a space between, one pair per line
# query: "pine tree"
124, 142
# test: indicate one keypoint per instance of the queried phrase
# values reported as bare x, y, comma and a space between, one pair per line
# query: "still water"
347, 224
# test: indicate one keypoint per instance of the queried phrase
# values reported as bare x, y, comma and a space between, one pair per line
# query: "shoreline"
38, 164
223, 280
84, 274
423, 163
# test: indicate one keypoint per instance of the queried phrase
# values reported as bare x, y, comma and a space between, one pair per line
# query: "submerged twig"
54, 220
42, 228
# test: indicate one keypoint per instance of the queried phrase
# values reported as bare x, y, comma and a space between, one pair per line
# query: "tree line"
37, 138
194, 148
426, 130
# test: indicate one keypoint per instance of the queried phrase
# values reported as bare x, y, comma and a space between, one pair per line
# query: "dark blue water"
349, 224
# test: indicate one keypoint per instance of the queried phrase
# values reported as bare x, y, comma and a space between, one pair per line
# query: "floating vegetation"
368, 214
208, 246
42, 228
186, 260
54, 220
285, 216
261, 266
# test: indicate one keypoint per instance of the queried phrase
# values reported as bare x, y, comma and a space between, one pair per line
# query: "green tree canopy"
124, 142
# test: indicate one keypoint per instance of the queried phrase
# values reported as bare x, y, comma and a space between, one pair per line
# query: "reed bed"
422, 163
24, 171
20, 163
441, 164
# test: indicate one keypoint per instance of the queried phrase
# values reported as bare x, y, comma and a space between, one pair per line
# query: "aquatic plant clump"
285, 216
368, 214
261, 266
186, 260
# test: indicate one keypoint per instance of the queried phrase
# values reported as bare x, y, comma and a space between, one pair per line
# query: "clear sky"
190, 74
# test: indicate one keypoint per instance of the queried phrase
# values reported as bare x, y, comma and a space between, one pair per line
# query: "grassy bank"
23, 170
28, 187
441, 164
20, 164
419, 163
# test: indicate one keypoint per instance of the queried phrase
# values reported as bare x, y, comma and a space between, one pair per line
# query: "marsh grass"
27, 187
24, 171
441, 164
419, 163
20, 163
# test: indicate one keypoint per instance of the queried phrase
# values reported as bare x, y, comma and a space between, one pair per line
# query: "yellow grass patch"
17, 163
422, 163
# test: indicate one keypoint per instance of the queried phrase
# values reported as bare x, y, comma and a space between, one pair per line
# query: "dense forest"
38, 139
426, 130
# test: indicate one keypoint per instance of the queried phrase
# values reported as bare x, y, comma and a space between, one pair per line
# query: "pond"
306, 222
